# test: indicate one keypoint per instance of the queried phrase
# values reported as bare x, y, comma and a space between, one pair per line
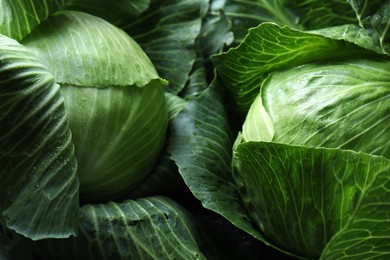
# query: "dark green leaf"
322, 14
374, 17
38, 181
118, 12
19, 18
147, 228
216, 33
250, 13
197, 81
269, 48
351, 33
166, 30
201, 147
175, 104
314, 201
167, 33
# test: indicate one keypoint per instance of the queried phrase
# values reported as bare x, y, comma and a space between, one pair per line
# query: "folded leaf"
321, 14
315, 201
201, 147
248, 14
167, 31
147, 228
269, 48
374, 17
38, 181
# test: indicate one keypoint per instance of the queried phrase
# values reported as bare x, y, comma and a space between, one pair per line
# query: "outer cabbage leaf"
19, 18
196, 83
216, 33
351, 33
321, 14
175, 104
167, 32
38, 181
374, 17
147, 228
117, 12
200, 145
248, 14
269, 48
362, 18
317, 201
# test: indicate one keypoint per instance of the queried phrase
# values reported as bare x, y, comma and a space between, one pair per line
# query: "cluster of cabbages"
194, 129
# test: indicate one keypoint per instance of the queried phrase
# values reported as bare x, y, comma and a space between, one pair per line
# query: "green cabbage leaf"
38, 165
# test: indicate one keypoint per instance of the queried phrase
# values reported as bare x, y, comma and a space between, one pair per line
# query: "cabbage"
313, 157
194, 129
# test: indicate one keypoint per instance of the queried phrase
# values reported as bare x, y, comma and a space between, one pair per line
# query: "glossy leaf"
336, 105
316, 201
147, 228
38, 166
269, 48
197, 80
201, 137
201, 147
175, 104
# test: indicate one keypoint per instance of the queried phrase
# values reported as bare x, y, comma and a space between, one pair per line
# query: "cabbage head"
311, 160
113, 97
313, 156
83, 116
